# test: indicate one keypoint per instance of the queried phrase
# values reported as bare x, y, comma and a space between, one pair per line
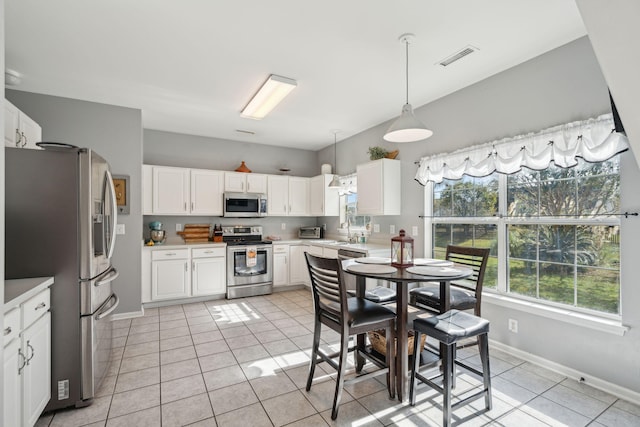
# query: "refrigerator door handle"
113, 213
110, 276
102, 314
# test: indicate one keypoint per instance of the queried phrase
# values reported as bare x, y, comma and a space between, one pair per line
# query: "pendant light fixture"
335, 182
407, 128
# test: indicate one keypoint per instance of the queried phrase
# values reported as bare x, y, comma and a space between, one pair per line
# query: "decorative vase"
243, 168
392, 154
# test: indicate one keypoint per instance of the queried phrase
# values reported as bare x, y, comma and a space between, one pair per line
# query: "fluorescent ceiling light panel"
270, 94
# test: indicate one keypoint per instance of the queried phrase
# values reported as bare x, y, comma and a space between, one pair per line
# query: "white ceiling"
192, 65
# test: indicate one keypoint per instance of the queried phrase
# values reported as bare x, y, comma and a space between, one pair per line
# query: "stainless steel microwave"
245, 205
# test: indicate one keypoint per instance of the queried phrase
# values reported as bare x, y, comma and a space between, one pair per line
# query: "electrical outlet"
376, 228
513, 326
392, 229
120, 229
324, 227
178, 227
414, 230
283, 226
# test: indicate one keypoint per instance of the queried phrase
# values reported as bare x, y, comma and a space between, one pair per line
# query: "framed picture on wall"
121, 184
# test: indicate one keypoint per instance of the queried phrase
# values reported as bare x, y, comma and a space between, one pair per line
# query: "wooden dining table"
401, 277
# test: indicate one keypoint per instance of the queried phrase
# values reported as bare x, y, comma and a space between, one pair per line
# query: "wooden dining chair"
466, 294
348, 316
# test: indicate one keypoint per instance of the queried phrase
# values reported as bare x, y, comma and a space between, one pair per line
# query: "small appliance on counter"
311, 232
157, 233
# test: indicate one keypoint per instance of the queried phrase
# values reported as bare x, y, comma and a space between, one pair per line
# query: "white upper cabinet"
298, 196
206, 192
379, 191
323, 201
171, 194
240, 182
288, 196
181, 191
278, 195
19, 129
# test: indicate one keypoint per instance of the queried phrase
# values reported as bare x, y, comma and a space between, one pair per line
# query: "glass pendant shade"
402, 250
335, 182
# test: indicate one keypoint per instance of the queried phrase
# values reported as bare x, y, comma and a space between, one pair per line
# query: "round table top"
402, 275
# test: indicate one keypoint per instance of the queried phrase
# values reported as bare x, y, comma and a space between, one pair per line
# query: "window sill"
610, 326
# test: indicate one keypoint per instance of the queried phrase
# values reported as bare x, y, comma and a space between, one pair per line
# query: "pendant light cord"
406, 41
335, 152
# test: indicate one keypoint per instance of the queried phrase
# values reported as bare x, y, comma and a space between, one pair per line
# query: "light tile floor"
244, 363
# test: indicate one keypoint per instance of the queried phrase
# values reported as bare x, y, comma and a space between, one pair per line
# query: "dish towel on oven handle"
252, 256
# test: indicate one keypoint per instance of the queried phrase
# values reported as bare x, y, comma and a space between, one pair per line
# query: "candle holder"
402, 250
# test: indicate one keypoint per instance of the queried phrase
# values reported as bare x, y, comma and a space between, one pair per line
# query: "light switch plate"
392, 229
120, 229
283, 226
414, 230
376, 228
178, 227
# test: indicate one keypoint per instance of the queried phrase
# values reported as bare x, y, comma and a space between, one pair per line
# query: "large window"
553, 234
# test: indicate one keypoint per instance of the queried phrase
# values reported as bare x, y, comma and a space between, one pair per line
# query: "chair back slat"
329, 293
474, 258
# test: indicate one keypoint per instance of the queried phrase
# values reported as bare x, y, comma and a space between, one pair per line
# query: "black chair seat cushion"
430, 296
452, 326
380, 294
362, 312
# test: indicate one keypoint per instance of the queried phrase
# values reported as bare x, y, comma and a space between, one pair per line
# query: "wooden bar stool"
449, 328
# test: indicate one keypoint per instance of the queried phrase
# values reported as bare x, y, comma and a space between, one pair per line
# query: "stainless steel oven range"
249, 262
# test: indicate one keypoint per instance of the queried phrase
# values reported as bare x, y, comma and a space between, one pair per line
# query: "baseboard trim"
600, 384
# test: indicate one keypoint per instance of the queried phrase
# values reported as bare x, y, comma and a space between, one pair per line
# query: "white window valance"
593, 140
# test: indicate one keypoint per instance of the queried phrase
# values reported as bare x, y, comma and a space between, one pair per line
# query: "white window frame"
502, 221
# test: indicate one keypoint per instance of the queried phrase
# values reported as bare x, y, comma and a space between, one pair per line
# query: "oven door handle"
101, 315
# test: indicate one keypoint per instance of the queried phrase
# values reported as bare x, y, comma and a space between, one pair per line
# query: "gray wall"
560, 86
174, 149
116, 134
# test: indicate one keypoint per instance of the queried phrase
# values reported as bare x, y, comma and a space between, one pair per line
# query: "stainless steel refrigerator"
60, 221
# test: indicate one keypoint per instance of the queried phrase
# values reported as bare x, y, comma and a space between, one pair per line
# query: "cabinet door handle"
242, 186
18, 138
24, 361
24, 138
208, 252
7, 330
248, 186
192, 205
193, 266
32, 352
186, 267
170, 254
39, 306
185, 206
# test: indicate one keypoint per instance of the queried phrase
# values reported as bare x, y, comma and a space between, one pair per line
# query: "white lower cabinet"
27, 361
13, 359
170, 275
183, 273
280, 265
208, 276
36, 384
298, 271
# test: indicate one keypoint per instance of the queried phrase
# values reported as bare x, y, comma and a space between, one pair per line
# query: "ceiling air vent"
248, 132
458, 55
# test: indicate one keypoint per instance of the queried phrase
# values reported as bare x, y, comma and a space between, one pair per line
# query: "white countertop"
17, 291
333, 244
178, 243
